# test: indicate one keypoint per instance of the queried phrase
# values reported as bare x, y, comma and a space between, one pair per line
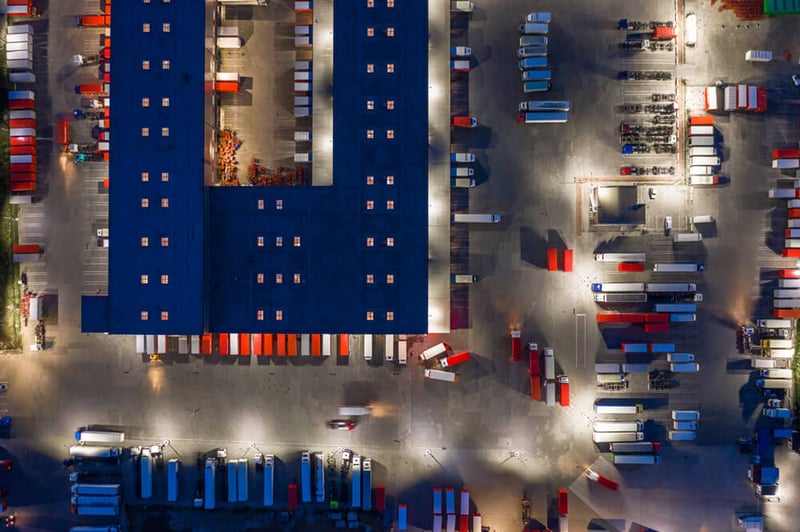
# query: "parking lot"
483, 433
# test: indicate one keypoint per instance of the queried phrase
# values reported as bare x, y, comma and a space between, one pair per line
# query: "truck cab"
464, 121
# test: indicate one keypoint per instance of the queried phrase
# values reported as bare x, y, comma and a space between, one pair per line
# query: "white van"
685, 415
534, 28
682, 435
439, 375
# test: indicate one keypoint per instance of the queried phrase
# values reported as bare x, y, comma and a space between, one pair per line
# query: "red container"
630, 267
656, 327
292, 495
23, 150
258, 344
227, 86
552, 260
23, 186
454, 360
563, 501
794, 213
705, 120
15, 105
268, 345
380, 497
789, 274
23, 249
316, 345
655, 317
791, 252
244, 344
22, 122
23, 178
533, 363
786, 313
563, 390
463, 523
23, 141
344, 345
516, 345
62, 132
762, 100
89, 88
536, 388
786, 154
224, 344
616, 317
205, 344
291, 344
663, 33
280, 339
567, 260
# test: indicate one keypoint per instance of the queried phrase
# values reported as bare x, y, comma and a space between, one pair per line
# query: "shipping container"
613, 437
618, 426
630, 267
635, 447
619, 257
615, 408
606, 368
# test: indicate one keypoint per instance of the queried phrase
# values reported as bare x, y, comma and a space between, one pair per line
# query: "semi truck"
269, 479
434, 351
563, 390
676, 267
619, 257
615, 437
635, 447
366, 490
685, 415
688, 367
209, 484
635, 458
464, 121
439, 375
618, 426
476, 218
618, 287
536, 86
535, 105
454, 360
305, 476
776, 373
355, 483
462, 157
680, 357
516, 345
95, 500
620, 297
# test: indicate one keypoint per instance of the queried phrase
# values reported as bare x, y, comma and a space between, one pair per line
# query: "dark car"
7, 521
341, 424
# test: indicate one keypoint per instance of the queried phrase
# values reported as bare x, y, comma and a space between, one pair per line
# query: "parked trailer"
209, 485
612, 437
435, 351
634, 348
619, 257
680, 357
678, 267
670, 287
603, 408
172, 479
618, 426
780, 373
95, 500
635, 447
620, 297
355, 483
95, 510
688, 367
661, 348
675, 307
563, 390
99, 436
618, 287
305, 476
438, 375
95, 489
549, 364
635, 458
685, 415
88, 451
606, 368
541, 118
453, 360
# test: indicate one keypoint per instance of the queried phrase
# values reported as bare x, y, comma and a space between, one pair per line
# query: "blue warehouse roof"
351, 257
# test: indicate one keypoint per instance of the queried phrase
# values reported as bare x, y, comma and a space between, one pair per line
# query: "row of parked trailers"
268, 344
22, 114
739, 97
444, 512
786, 298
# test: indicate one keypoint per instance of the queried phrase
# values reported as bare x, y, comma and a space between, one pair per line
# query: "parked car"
7, 521
6, 465
341, 424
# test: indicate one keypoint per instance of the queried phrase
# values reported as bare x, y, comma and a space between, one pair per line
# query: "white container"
701, 130
774, 323
229, 42
701, 140
434, 351
782, 193
606, 368
228, 31
618, 426
704, 161
730, 98
609, 437
388, 349
687, 237
703, 151
690, 30
367, 347
758, 362
302, 136
601, 408
785, 163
